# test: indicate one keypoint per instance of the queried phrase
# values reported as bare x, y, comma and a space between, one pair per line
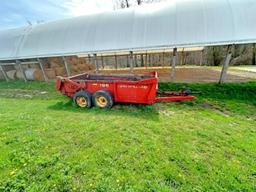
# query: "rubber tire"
105, 94
86, 95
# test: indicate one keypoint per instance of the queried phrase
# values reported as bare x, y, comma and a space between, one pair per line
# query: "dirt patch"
188, 74
160, 106
243, 73
167, 113
249, 69
217, 109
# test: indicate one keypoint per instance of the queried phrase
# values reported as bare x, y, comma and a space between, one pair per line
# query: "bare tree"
139, 2
128, 3
121, 4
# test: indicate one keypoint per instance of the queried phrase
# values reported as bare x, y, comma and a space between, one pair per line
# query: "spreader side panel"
143, 92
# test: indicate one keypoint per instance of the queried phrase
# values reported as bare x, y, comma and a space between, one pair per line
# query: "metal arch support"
42, 68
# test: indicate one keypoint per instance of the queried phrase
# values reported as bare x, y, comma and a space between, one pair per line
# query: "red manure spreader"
103, 91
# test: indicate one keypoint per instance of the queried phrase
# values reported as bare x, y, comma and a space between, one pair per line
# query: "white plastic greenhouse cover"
177, 23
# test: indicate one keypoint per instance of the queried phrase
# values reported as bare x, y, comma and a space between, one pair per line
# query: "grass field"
46, 144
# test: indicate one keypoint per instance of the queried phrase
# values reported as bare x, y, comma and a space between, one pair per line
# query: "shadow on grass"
139, 111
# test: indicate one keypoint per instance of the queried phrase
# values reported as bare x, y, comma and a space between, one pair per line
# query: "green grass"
46, 144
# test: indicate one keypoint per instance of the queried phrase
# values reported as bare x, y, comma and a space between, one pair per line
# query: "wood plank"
29, 62
7, 64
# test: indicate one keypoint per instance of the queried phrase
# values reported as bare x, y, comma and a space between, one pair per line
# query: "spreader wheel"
102, 99
83, 99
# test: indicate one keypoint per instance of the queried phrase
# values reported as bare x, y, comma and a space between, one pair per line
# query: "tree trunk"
127, 3
139, 2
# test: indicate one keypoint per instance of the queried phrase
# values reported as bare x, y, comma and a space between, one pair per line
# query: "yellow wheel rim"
81, 101
101, 101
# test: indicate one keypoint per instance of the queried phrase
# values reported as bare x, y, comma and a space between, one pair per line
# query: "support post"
66, 65
128, 61
201, 57
102, 62
142, 63
182, 57
96, 63
131, 61
174, 61
146, 60
21, 69
116, 62
225, 65
163, 59
89, 58
253, 54
42, 68
149, 60
159, 59
4, 73
135, 61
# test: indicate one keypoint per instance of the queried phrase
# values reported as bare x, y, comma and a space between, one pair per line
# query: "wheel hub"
101, 101
81, 101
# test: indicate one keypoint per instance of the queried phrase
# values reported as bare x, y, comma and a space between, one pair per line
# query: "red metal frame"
174, 98
124, 89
